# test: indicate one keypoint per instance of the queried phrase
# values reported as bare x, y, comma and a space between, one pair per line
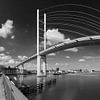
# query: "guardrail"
11, 91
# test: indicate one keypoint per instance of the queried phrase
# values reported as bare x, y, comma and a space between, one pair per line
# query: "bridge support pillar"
21, 69
44, 65
38, 65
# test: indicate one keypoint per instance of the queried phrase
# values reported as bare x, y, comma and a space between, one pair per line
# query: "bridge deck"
83, 41
2, 94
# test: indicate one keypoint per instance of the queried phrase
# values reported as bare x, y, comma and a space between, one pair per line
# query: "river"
82, 86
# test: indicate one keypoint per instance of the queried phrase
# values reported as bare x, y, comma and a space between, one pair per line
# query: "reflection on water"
61, 87
31, 86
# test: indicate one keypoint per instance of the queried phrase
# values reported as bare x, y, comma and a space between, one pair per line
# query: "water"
66, 87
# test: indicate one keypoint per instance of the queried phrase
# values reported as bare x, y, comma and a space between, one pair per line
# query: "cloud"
11, 61
72, 49
66, 64
84, 58
13, 36
22, 57
6, 28
52, 54
67, 57
57, 64
47, 44
7, 60
2, 54
67, 40
81, 60
30, 66
55, 36
7, 52
91, 57
2, 49
2, 63
4, 57
87, 57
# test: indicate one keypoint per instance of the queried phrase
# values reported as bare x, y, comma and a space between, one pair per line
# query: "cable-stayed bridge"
66, 44
79, 21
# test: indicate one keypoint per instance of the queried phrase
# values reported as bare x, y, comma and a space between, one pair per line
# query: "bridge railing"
11, 91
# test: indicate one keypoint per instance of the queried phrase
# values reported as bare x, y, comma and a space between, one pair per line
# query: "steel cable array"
72, 20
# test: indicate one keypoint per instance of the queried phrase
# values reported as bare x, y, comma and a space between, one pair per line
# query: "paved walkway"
2, 94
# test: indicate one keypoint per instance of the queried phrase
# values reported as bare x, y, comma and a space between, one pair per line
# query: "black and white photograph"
49, 50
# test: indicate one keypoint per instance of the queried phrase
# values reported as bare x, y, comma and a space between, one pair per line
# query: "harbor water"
80, 86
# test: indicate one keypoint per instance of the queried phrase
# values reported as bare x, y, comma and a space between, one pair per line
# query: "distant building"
86, 71
9, 70
75, 71
57, 69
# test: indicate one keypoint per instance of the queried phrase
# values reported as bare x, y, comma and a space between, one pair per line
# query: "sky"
18, 32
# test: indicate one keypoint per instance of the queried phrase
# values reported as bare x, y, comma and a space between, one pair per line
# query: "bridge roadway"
67, 44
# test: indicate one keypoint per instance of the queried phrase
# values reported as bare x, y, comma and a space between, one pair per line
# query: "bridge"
65, 44
9, 87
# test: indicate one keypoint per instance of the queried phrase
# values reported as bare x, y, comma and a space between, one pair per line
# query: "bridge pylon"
45, 40
44, 65
38, 55
39, 73
39, 66
21, 69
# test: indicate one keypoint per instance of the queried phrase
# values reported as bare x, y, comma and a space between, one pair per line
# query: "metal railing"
11, 91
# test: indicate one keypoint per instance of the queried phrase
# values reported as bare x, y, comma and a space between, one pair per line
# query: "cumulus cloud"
72, 49
52, 54
6, 28
11, 61
7, 60
47, 44
17, 62
56, 64
13, 36
66, 64
2, 63
2, 54
30, 66
67, 40
4, 57
81, 60
91, 57
22, 57
67, 57
55, 36
2, 49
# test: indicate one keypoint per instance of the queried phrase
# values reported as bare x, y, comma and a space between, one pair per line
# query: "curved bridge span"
67, 44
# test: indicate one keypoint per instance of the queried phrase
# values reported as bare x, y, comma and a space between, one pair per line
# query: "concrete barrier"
11, 91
